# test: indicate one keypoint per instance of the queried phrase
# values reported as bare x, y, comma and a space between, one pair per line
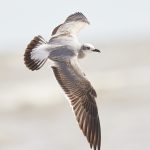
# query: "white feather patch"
40, 53
71, 27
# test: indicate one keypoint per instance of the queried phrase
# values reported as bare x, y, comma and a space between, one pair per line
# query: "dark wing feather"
55, 30
72, 25
78, 16
82, 96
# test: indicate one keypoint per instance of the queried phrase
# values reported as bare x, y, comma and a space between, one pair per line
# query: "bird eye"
87, 47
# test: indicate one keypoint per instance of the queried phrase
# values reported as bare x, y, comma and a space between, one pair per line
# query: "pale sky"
21, 20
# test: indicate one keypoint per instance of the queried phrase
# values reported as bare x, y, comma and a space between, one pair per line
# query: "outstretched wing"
82, 96
72, 25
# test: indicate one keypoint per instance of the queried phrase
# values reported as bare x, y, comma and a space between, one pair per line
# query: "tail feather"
36, 53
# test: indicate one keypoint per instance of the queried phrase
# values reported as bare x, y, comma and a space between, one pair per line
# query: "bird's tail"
36, 53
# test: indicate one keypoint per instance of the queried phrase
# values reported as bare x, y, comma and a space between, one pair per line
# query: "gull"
64, 50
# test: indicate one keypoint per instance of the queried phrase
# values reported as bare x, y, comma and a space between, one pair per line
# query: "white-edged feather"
71, 27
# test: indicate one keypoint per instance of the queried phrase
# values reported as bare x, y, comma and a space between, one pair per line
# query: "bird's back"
66, 40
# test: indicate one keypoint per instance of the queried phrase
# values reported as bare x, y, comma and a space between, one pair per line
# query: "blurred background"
34, 114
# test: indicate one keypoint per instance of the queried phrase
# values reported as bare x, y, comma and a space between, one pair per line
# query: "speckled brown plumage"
82, 97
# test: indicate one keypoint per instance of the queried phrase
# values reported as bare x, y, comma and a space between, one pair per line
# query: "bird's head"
88, 48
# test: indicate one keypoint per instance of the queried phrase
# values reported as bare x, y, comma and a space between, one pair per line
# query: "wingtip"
77, 16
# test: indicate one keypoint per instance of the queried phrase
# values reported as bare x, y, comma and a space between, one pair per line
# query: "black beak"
96, 50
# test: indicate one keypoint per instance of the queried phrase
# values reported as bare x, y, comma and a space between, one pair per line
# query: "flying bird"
64, 50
